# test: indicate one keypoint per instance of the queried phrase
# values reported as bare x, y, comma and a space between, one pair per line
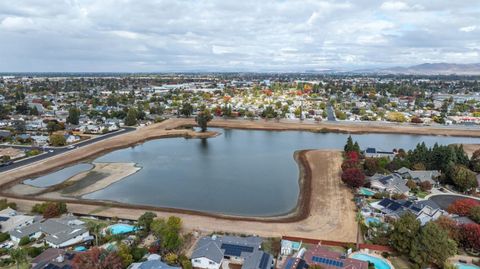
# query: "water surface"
59, 176
240, 172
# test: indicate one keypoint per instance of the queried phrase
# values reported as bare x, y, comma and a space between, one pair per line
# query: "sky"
234, 35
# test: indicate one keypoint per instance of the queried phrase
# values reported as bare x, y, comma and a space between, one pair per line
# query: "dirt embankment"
343, 127
330, 211
470, 148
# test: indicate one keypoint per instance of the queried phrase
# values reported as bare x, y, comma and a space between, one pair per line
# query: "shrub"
24, 241
474, 214
425, 186
50, 209
4, 237
34, 252
4, 204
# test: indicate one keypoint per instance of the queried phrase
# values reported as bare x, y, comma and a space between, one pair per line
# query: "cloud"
468, 29
229, 35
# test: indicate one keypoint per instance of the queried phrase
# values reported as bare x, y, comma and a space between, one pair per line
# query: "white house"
10, 219
58, 232
210, 252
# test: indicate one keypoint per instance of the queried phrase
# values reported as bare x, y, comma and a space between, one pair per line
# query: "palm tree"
19, 255
358, 219
95, 228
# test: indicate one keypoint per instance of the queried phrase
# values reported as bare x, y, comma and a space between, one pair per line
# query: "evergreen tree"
349, 146
131, 118
73, 116
405, 230
432, 246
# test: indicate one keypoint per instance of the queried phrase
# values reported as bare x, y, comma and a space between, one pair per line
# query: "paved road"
331, 113
61, 150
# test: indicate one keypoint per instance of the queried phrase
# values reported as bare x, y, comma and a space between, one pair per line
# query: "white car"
71, 147
7, 245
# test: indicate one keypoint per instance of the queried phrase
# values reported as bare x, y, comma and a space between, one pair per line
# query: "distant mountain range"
429, 69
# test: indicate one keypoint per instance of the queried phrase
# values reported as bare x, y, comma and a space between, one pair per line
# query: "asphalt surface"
59, 150
331, 114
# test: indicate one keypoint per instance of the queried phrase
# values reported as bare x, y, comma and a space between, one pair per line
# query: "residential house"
153, 262
53, 258
374, 153
5, 134
10, 219
71, 138
420, 175
40, 140
289, 247
210, 252
324, 258
392, 183
58, 232
425, 210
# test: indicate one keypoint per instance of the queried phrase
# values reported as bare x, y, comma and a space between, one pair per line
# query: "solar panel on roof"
384, 202
330, 262
289, 263
264, 261
235, 250
4, 218
394, 206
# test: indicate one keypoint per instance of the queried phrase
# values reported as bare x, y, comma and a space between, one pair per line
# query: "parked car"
6, 164
7, 245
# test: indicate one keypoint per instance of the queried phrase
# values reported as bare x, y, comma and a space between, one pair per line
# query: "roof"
295, 263
424, 210
57, 230
258, 260
319, 255
209, 250
155, 264
216, 247
49, 259
392, 183
420, 175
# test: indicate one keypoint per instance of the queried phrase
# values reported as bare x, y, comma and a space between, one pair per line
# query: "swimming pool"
466, 266
80, 248
378, 262
372, 220
121, 228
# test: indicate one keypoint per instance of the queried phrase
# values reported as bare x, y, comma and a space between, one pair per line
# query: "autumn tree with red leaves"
97, 258
470, 234
462, 207
350, 164
353, 177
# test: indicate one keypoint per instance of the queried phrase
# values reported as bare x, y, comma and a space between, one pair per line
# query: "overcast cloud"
234, 35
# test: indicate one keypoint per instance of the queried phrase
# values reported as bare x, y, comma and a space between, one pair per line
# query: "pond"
59, 176
240, 172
